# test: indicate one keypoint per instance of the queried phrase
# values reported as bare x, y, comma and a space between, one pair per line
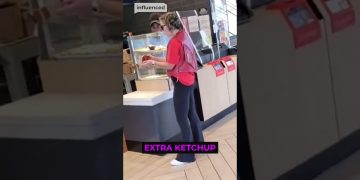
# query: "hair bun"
172, 20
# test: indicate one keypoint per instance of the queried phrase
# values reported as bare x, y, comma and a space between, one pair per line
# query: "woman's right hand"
147, 57
152, 57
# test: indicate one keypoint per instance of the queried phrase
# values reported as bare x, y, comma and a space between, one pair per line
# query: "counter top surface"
69, 116
146, 98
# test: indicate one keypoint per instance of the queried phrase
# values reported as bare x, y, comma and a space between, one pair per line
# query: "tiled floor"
139, 166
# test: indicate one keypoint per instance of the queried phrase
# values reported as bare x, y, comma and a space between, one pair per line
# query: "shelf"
17, 41
86, 56
21, 49
139, 45
91, 51
150, 51
155, 77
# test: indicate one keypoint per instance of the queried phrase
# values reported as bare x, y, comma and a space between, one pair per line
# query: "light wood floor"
139, 166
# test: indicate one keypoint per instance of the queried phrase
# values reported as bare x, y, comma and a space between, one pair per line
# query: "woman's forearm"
164, 65
163, 59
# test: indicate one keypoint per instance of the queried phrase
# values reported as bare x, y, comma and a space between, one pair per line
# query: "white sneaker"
175, 162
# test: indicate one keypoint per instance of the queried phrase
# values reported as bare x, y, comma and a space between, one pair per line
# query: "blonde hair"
171, 20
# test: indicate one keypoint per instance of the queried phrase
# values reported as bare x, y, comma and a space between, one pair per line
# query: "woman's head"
170, 23
155, 26
155, 22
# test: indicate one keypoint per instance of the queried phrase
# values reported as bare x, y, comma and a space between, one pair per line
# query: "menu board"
204, 21
220, 18
193, 23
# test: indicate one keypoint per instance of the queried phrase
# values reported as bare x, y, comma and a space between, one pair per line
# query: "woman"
183, 77
154, 22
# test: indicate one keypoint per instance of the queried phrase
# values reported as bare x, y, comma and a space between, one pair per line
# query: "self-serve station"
216, 81
286, 87
342, 26
231, 76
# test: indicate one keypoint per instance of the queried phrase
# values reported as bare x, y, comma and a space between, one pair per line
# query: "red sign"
301, 19
341, 13
218, 67
229, 63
